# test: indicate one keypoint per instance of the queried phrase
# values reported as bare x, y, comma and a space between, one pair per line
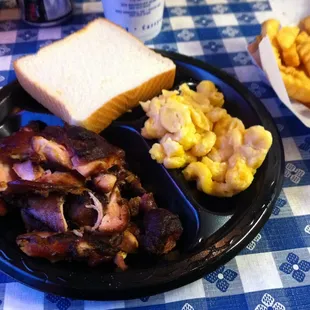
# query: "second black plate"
215, 229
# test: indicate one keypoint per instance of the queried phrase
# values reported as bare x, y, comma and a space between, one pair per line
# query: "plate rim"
197, 272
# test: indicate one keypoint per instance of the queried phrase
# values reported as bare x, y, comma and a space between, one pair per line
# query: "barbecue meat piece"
62, 178
48, 210
134, 206
24, 187
31, 223
89, 146
51, 151
18, 145
162, 229
87, 169
7, 174
104, 182
80, 212
117, 214
90, 153
147, 202
134, 229
28, 171
55, 133
144, 204
129, 243
69, 246
129, 184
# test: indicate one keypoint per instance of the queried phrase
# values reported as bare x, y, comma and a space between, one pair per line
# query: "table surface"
273, 271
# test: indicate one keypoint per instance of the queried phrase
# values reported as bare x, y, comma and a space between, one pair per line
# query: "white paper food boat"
288, 12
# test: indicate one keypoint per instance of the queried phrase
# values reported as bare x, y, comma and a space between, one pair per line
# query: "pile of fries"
291, 47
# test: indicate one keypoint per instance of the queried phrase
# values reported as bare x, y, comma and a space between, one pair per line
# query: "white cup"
142, 18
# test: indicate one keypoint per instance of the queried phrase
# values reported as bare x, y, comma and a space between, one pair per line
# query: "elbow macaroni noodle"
197, 134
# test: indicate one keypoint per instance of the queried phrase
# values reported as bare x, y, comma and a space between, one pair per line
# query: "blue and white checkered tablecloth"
273, 272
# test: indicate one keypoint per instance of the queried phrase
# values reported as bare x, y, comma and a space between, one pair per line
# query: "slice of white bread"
94, 75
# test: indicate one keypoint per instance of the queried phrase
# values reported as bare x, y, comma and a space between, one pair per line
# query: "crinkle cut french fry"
270, 28
303, 36
287, 36
305, 24
296, 73
277, 55
303, 50
297, 88
291, 57
302, 69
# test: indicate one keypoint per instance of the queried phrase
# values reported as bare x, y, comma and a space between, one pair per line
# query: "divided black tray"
215, 229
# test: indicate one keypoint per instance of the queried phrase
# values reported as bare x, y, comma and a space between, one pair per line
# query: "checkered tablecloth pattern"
273, 272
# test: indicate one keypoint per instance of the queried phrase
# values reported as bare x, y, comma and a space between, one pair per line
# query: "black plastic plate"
215, 229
